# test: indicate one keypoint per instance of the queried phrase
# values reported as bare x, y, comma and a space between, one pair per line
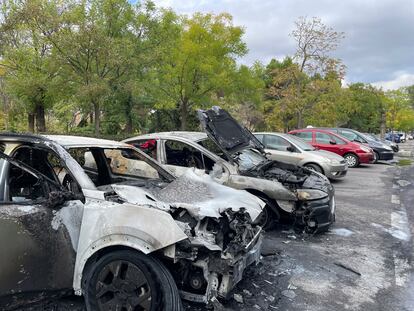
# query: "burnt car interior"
148, 146
111, 166
22, 186
18, 185
181, 154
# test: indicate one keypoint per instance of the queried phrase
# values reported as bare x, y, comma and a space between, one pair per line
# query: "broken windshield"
249, 158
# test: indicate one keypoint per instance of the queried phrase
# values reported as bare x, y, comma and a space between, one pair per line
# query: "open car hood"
226, 132
200, 195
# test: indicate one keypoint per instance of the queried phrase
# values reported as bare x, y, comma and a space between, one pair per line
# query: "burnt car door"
38, 234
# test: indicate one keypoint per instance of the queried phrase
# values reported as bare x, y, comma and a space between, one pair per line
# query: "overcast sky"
379, 43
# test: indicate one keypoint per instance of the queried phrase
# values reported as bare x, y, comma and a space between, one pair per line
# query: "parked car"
291, 149
393, 137
381, 151
353, 153
106, 220
234, 157
403, 137
394, 146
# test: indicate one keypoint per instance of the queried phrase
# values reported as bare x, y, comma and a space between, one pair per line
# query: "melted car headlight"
310, 194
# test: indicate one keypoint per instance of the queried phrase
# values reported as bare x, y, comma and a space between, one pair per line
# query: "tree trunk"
97, 116
184, 114
128, 115
383, 125
300, 120
40, 119
30, 122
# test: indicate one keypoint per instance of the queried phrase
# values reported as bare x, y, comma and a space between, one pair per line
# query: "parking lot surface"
363, 263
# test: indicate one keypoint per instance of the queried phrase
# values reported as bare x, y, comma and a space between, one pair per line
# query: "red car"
353, 153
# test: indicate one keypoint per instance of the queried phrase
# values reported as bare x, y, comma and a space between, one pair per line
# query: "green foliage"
199, 64
112, 68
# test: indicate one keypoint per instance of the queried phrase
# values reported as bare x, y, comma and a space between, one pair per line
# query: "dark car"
314, 207
381, 150
390, 143
393, 137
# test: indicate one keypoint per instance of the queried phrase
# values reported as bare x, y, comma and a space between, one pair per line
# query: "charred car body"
236, 158
103, 219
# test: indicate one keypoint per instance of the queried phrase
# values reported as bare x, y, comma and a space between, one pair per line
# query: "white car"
101, 218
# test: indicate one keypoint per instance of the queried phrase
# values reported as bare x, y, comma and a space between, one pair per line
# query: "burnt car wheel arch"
150, 286
270, 214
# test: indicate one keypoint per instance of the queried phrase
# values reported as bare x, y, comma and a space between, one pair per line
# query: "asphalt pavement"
365, 262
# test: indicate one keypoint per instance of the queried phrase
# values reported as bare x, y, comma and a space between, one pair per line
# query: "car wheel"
265, 219
351, 159
129, 280
314, 167
376, 157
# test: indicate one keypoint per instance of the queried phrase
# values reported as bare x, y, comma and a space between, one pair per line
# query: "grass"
404, 162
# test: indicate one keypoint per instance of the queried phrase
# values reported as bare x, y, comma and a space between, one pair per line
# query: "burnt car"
234, 157
103, 219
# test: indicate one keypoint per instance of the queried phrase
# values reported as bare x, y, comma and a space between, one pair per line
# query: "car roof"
192, 136
68, 141
23, 137
272, 133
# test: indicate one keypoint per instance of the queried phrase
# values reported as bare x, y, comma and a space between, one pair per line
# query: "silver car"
234, 157
290, 149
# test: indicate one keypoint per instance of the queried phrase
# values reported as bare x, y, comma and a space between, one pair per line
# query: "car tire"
351, 159
132, 280
265, 219
270, 215
314, 167
376, 157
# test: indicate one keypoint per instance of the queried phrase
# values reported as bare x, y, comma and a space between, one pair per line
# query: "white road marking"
395, 199
402, 269
400, 230
399, 225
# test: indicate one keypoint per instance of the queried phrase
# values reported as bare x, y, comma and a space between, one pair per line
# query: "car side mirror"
332, 142
290, 149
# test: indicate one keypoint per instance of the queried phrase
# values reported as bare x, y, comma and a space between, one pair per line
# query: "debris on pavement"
347, 268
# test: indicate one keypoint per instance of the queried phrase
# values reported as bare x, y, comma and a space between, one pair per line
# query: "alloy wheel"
351, 160
123, 286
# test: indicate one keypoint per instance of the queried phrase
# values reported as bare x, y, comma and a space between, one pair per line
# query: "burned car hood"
226, 132
247, 151
290, 175
199, 194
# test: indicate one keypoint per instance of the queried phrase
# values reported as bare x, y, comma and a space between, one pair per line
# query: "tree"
399, 112
410, 92
31, 71
199, 63
244, 95
314, 42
